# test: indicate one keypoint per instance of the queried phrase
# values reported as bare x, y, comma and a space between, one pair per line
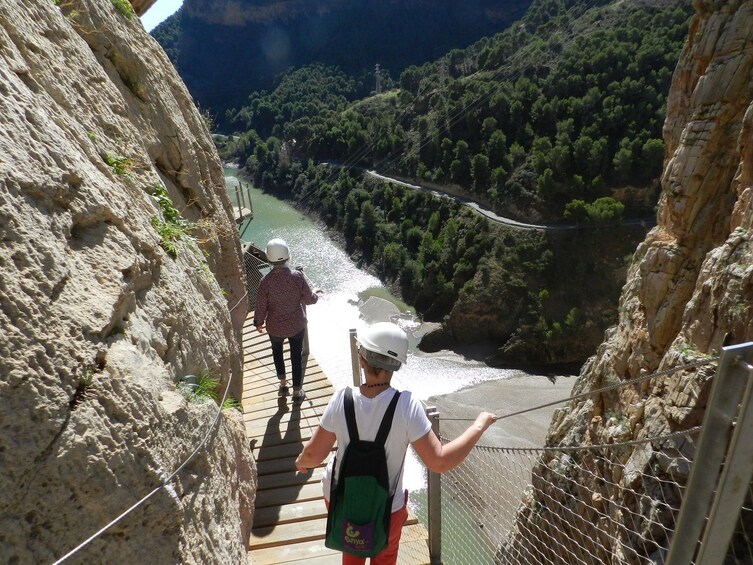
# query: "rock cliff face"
690, 286
102, 311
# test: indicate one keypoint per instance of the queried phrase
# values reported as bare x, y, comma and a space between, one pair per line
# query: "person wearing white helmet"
279, 304
382, 350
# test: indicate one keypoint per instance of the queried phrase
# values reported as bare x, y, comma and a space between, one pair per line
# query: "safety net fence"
256, 267
607, 504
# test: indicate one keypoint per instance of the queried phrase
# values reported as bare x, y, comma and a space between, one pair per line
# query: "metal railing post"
729, 387
243, 199
736, 474
305, 349
434, 496
356, 368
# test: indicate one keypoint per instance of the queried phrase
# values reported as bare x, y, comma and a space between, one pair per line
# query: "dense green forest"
557, 120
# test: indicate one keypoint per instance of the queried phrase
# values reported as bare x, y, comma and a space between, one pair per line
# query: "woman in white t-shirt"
383, 348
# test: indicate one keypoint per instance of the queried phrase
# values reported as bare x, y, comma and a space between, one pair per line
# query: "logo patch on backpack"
358, 538
360, 502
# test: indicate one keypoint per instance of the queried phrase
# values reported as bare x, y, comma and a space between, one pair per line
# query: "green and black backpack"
360, 502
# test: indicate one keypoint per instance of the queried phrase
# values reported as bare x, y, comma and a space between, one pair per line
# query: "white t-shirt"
408, 425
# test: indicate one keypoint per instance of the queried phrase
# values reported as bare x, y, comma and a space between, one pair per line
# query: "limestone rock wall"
100, 316
690, 286
141, 6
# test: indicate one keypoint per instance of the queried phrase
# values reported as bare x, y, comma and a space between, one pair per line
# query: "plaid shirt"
282, 292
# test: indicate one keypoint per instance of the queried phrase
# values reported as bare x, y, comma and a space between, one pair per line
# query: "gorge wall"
689, 289
100, 314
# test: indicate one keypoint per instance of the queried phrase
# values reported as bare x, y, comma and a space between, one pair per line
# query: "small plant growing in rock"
124, 7
120, 165
171, 227
126, 71
197, 387
68, 8
134, 86
231, 403
85, 382
207, 272
206, 387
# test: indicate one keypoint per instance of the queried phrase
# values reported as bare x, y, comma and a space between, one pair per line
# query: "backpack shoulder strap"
386, 425
350, 415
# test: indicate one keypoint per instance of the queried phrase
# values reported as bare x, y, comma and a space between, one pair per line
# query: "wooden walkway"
289, 515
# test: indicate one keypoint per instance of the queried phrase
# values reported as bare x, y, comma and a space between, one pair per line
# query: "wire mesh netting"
595, 505
741, 546
256, 267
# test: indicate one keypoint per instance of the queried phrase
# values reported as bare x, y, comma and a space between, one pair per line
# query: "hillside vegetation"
557, 119
225, 49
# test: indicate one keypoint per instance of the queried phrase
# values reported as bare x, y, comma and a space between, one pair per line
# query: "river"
343, 306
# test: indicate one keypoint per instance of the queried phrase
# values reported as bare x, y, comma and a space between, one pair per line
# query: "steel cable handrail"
596, 391
574, 448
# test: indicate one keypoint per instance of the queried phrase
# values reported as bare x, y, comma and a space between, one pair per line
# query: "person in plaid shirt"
279, 304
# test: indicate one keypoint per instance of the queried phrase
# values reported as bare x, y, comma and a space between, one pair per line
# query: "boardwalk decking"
289, 516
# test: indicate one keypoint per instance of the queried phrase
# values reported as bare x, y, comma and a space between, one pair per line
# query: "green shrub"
124, 7
204, 386
171, 227
120, 165
231, 402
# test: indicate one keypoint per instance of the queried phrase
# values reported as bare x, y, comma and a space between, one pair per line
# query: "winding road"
501, 219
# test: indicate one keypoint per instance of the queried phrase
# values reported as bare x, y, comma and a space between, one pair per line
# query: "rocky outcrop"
141, 6
119, 266
690, 286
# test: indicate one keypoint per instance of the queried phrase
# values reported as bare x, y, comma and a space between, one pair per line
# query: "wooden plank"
313, 405
285, 450
267, 381
281, 534
315, 401
283, 409
290, 478
295, 512
280, 449
315, 390
413, 550
307, 552
317, 384
288, 495
276, 466
268, 391
290, 516
259, 428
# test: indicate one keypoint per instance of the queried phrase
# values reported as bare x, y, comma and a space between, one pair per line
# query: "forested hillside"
556, 120
225, 49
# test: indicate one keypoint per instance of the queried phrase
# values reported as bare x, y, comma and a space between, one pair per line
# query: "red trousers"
388, 556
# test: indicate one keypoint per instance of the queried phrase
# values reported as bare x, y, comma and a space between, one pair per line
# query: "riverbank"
505, 396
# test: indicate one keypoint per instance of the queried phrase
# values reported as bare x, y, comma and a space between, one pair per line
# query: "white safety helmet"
388, 342
277, 251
